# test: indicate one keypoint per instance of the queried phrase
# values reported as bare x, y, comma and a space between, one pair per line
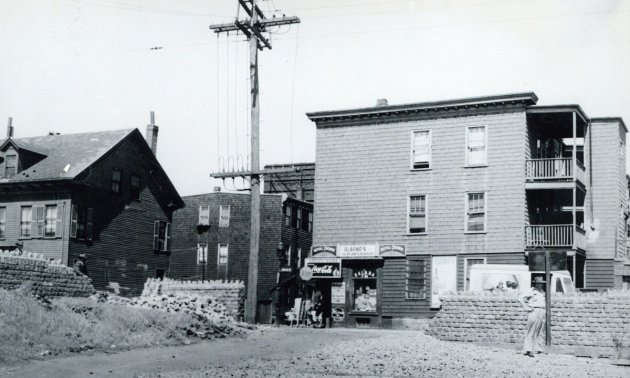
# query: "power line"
136, 8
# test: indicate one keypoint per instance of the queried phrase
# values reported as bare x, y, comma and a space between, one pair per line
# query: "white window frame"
426, 214
485, 149
227, 254
204, 215
28, 222
485, 261
413, 149
202, 253
224, 215
52, 222
485, 213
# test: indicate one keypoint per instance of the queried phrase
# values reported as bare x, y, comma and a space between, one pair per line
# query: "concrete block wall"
39, 275
578, 320
231, 294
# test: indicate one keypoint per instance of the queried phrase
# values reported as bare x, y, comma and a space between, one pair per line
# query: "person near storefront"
533, 300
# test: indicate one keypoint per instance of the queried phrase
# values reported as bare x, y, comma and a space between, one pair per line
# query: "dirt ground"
291, 352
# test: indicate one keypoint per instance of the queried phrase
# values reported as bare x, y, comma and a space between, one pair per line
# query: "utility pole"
253, 28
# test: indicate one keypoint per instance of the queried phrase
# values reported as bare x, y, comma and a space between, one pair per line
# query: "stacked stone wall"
581, 320
33, 272
231, 294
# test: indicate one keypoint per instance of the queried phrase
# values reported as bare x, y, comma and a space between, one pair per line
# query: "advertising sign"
324, 249
338, 314
306, 273
325, 269
338, 293
443, 277
392, 250
357, 250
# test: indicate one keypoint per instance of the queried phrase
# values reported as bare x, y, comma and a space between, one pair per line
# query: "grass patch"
30, 328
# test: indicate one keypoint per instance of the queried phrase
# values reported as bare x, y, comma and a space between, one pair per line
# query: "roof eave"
528, 98
559, 109
611, 119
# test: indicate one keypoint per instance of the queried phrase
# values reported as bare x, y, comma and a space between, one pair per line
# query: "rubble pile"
209, 318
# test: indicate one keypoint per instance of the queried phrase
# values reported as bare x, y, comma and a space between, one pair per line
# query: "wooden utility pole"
253, 28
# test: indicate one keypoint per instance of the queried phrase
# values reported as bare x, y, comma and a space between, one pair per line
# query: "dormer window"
10, 166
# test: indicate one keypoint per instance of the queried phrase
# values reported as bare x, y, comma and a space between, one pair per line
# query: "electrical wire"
219, 168
297, 38
143, 9
227, 95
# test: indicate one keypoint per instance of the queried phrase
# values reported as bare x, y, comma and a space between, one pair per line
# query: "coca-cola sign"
325, 269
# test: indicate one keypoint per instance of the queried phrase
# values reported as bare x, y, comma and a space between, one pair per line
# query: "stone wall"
33, 272
229, 293
581, 320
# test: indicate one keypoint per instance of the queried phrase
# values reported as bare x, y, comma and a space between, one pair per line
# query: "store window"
415, 283
364, 298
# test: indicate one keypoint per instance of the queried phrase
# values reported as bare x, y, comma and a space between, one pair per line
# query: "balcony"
555, 172
555, 236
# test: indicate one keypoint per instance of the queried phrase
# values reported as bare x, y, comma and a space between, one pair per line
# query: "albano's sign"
325, 269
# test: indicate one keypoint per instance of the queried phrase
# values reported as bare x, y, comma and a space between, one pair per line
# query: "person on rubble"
533, 300
80, 266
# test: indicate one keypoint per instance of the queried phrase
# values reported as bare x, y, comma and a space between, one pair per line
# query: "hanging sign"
392, 250
325, 269
357, 250
306, 273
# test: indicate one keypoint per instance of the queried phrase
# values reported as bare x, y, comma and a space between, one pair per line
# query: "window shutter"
73, 221
156, 230
90, 224
41, 215
167, 238
58, 226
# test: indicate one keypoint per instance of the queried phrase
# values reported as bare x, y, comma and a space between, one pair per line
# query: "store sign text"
325, 270
367, 250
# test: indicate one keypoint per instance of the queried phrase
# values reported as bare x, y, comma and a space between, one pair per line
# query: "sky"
72, 66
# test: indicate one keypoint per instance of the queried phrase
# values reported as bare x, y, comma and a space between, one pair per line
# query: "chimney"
152, 134
10, 128
217, 189
381, 102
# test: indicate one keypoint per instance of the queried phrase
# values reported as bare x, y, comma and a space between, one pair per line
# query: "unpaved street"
311, 353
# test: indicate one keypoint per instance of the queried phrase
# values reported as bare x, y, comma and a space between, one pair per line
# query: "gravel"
410, 353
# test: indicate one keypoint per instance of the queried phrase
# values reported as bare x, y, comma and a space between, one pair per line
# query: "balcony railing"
553, 169
555, 235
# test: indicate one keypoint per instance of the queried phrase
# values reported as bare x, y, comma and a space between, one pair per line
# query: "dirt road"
289, 352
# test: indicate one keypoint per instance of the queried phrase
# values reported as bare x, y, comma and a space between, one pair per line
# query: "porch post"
574, 179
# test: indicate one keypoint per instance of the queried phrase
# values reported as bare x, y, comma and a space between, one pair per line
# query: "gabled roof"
66, 155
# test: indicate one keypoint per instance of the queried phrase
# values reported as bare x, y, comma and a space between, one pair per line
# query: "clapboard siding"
361, 192
599, 274
394, 280
608, 190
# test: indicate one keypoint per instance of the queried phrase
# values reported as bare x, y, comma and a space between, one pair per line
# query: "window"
287, 215
3, 222
161, 236
224, 216
204, 215
135, 187
202, 253
10, 166
476, 144
82, 222
116, 180
421, 149
310, 222
50, 221
223, 254
468, 263
417, 214
475, 212
415, 282
294, 211
364, 281
26, 219
298, 218
306, 216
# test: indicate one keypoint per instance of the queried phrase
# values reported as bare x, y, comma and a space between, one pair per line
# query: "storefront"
350, 278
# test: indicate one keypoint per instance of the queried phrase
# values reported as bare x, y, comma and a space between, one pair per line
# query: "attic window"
10, 166
116, 180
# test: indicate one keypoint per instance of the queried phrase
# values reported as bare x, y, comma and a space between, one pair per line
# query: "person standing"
533, 300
